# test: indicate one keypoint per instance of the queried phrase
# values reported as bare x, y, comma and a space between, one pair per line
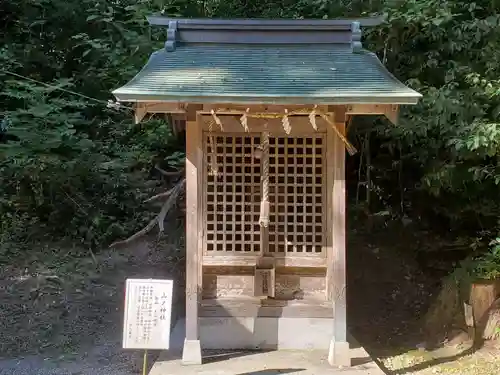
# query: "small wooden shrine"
265, 105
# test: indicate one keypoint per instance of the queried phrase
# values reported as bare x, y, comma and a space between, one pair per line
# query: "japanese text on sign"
148, 307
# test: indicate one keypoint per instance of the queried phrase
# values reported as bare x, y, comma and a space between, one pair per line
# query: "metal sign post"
147, 317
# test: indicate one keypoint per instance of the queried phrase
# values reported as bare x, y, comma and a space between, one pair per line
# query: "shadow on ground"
388, 295
272, 371
387, 292
213, 356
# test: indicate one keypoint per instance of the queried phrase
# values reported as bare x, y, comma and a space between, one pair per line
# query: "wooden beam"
352, 109
232, 124
194, 169
262, 108
388, 110
272, 122
251, 261
264, 114
140, 112
142, 109
189, 110
330, 180
392, 114
229, 308
201, 191
339, 347
161, 107
365, 109
178, 122
192, 112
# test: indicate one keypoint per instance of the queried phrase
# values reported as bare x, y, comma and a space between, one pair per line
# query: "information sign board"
148, 310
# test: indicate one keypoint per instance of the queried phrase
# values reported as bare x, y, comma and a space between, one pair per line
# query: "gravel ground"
77, 310
74, 327
107, 359
483, 362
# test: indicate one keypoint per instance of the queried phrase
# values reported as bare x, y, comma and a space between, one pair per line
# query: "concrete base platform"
264, 363
245, 362
264, 333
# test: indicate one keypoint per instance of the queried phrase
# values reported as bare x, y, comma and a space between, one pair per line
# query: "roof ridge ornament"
170, 44
356, 37
187, 31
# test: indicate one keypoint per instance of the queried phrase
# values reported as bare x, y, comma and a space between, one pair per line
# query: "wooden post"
339, 354
330, 179
264, 276
191, 353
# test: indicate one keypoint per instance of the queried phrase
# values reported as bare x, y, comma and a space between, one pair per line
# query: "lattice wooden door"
297, 195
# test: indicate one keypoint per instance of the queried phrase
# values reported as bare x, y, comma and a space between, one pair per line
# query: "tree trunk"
483, 295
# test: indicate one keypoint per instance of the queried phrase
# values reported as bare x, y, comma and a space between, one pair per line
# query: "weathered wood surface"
287, 287
338, 291
189, 110
264, 308
194, 159
250, 260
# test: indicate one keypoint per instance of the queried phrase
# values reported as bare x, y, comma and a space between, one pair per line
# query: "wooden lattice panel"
232, 198
232, 204
297, 190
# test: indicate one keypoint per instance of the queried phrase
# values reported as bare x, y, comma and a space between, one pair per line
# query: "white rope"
109, 104
286, 123
264, 205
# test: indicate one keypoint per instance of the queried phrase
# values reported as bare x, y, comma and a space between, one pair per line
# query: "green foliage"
68, 158
71, 167
450, 142
67, 168
448, 51
86, 166
487, 266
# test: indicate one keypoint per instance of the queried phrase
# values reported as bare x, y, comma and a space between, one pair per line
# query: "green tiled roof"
280, 74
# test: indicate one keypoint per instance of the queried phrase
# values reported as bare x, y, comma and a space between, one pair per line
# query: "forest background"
73, 169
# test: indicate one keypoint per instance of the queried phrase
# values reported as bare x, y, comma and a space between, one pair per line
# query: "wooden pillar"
191, 353
339, 354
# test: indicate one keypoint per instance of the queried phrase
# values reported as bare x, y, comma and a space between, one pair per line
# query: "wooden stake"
145, 363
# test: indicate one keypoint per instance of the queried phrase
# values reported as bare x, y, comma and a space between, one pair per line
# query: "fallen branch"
160, 195
159, 219
169, 174
170, 202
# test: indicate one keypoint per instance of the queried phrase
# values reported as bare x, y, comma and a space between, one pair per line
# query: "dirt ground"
389, 293
447, 360
67, 319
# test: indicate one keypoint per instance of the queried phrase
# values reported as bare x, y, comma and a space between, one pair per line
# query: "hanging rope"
285, 122
312, 118
109, 104
217, 120
349, 147
264, 205
214, 169
244, 120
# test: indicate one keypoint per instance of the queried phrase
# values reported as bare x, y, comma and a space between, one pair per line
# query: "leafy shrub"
487, 266
69, 166
76, 177
80, 164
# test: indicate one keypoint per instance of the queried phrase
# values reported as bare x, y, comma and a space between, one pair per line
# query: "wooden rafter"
189, 110
388, 110
140, 112
285, 117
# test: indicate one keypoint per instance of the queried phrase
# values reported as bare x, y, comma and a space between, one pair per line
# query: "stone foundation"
259, 333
